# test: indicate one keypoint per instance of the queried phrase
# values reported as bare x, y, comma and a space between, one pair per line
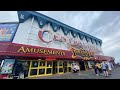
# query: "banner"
7, 31
7, 66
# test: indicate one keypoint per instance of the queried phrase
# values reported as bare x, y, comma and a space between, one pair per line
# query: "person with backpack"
109, 67
105, 69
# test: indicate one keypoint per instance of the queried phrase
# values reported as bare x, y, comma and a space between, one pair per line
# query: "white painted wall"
27, 33
22, 33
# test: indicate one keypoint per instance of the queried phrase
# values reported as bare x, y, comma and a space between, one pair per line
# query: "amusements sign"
7, 31
34, 51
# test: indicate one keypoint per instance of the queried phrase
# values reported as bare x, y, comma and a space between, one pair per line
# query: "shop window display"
33, 72
60, 70
34, 63
49, 64
48, 70
42, 63
60, 63
41, 71
7, 66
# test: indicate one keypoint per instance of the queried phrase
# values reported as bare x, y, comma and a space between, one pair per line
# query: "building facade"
47, 45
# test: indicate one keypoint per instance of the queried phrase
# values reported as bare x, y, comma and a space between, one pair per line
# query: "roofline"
62, 24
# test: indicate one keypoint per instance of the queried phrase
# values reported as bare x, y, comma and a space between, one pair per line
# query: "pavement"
89, 74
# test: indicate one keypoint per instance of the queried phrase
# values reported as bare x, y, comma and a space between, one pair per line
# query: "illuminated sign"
39, 51
81, 53
34, 51
47, 36
7, 31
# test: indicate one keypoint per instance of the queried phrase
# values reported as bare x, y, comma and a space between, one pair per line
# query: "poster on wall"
7, 31
7, 66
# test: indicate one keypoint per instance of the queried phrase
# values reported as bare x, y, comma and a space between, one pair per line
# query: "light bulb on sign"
22, 16
41, 23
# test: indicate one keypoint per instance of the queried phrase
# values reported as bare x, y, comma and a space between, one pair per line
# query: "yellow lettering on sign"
82, 53
21, 50
29, 50
40, 51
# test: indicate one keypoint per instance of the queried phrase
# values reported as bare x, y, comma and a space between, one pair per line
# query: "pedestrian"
112, 65
18, 69
105, 69
95, 69
109, 67
99, 68
26, 68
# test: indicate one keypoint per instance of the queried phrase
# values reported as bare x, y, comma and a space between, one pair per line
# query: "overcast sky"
104, 25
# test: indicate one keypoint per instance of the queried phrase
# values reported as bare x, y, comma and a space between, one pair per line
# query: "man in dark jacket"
95, 69
18, 69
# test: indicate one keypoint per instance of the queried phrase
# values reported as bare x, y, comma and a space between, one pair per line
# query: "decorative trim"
81, 36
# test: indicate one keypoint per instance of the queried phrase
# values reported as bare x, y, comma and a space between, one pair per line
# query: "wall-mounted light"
22, 16
41, 23
55, 28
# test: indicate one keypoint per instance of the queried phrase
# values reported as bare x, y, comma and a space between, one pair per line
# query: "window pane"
34, 63
41, 71
49, 71
65, 69
60, 63
65, 63
60, 70
33, 72
69, 63
55, 63
42, 63
56, 70
69, 69
49, 63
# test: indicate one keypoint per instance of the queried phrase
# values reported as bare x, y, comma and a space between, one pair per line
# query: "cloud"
101, 24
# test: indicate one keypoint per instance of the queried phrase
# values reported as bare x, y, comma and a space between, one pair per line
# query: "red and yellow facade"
48, 45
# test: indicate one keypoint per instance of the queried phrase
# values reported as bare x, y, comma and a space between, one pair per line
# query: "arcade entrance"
45, 68
40, 68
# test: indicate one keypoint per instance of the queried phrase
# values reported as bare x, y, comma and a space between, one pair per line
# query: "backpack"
106, 66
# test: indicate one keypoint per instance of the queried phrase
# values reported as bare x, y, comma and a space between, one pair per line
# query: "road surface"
115, 74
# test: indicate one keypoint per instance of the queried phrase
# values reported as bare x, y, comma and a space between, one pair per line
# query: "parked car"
75, 67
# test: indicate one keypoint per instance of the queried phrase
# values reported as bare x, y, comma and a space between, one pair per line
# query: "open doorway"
65, 66
82, 65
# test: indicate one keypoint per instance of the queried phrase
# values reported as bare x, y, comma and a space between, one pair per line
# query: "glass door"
49, 67
65, 66
69, 66
40, 68
33, 68
60, 67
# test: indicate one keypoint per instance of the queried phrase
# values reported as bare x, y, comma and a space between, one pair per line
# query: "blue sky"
104, 25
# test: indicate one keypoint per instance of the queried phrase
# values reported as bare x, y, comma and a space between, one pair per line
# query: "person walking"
95, 69
99, 68
109, 68
105, 69
26, 68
